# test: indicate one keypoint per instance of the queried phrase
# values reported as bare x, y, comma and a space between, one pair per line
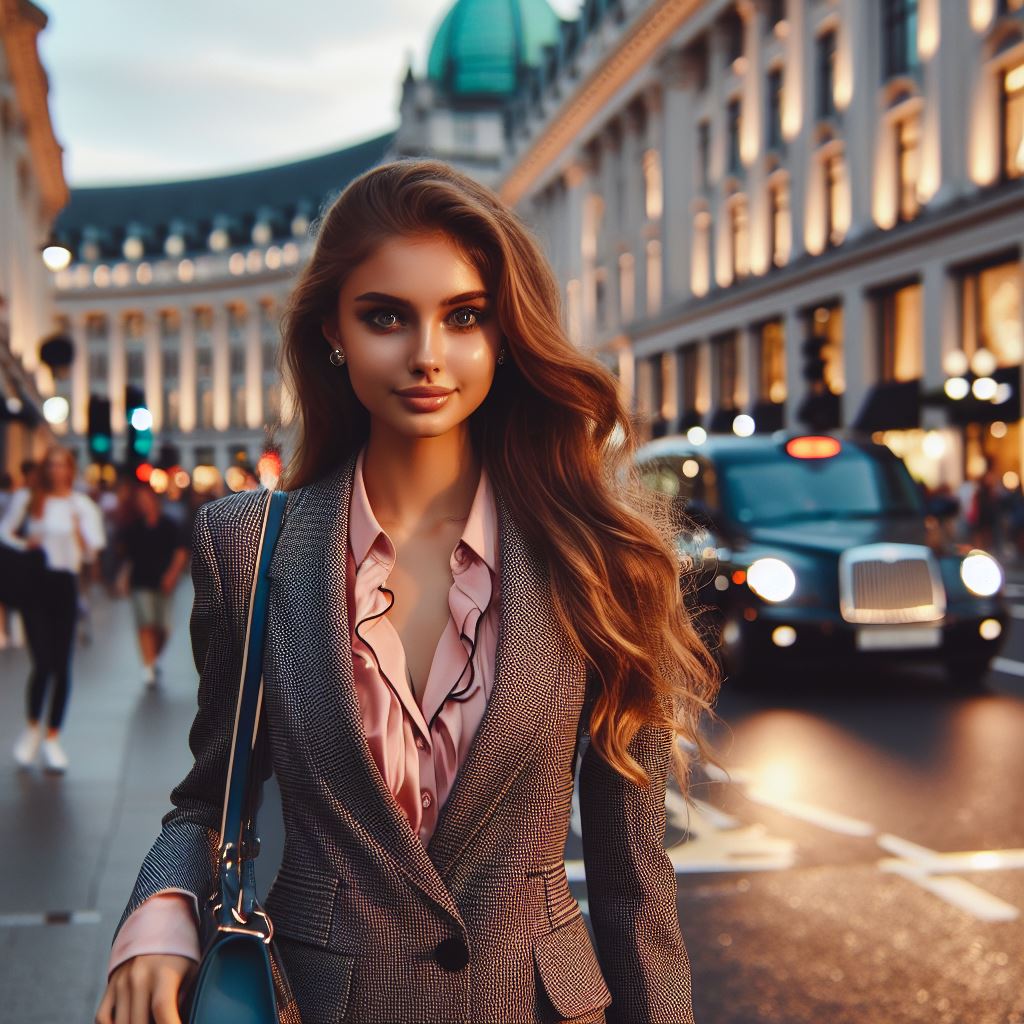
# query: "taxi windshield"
850, 485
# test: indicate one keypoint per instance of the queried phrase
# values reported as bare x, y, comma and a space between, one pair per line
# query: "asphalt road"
863, 863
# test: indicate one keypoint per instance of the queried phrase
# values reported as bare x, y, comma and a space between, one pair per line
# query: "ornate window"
899, 37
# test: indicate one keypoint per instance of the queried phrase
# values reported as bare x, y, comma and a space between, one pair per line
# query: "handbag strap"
237, 885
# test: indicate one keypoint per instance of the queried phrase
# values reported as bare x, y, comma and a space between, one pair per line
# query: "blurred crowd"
984, 513
62, 541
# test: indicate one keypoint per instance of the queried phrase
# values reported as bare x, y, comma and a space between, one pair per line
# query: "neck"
416, 485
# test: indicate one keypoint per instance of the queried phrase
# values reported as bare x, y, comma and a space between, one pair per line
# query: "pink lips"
424, 391
424, 398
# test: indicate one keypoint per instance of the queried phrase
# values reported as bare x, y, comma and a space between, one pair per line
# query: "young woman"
465, 555
67, 525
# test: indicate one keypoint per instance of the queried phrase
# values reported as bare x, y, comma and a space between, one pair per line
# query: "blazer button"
452, 954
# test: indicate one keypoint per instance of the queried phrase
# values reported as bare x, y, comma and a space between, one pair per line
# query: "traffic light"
100, 443
139, 425
820, 408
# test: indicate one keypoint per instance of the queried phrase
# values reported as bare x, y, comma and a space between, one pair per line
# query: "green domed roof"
482, 45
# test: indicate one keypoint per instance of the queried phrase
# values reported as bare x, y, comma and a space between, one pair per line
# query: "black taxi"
808, 550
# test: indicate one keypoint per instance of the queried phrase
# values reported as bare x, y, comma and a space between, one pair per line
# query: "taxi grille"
890, 583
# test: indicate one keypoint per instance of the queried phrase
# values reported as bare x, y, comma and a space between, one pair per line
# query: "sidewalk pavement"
71, 846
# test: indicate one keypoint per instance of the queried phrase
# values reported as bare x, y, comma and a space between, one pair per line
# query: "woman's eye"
467, 317
385, 319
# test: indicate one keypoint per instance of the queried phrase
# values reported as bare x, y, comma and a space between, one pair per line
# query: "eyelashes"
376, 319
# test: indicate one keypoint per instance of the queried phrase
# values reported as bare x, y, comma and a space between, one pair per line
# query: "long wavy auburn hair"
554, 436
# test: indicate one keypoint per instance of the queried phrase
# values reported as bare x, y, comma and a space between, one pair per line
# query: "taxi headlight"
981, 574
771, 578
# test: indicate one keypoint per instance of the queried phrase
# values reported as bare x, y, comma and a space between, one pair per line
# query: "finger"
142, 994
165, 999
104, 1014
122, 998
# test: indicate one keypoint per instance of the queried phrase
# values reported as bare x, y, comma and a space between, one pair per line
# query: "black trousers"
50, 631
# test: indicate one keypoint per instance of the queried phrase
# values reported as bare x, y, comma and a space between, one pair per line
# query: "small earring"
337, 356
501, 356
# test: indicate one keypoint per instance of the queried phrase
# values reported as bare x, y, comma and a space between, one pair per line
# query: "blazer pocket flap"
570, 971
302, 906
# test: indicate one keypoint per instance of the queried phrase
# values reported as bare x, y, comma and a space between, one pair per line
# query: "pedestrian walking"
66, 525
156, 549
468, 577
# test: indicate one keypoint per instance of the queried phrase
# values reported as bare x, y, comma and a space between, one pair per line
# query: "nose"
428, 348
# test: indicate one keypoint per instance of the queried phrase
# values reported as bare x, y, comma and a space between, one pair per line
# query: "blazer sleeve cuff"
164, 923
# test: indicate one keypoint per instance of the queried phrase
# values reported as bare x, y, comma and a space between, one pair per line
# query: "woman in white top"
67, 525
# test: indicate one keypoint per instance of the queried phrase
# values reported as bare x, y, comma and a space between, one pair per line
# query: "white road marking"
829, 820
1009, 666
961, 894
932, 870
941, 863
52, 917
715, 841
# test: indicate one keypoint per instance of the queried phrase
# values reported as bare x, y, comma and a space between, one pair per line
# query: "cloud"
151, 91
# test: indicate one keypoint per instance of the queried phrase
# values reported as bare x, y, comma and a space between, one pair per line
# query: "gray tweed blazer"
371, 926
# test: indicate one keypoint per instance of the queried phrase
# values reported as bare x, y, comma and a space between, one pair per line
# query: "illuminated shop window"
725, 349
900, 332
771, 377
990, 306
689, 370
1013, 122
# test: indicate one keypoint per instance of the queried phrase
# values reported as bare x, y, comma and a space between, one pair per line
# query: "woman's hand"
145, 989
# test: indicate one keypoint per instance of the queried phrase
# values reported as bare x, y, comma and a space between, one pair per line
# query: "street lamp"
56, 255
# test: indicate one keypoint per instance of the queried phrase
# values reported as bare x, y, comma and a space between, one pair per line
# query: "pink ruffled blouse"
417, 747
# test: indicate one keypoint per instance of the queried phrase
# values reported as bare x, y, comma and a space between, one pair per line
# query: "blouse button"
426, 798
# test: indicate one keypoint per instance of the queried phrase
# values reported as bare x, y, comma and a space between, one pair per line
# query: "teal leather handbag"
240, 978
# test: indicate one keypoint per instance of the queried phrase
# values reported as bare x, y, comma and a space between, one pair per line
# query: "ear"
330, 332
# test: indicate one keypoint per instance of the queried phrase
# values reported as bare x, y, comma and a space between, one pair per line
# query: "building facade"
32, 191
795, 213
763, 213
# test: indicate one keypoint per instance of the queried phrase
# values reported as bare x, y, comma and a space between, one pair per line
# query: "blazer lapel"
309, 590
530, 648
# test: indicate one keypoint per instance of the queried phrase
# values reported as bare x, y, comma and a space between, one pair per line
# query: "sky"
160, 90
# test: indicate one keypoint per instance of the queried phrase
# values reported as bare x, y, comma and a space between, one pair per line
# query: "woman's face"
416, 313
60, 471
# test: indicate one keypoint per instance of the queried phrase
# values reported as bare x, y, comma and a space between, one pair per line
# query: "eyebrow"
396, 301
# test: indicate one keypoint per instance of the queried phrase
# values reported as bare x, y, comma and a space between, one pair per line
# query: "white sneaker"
27, 747
54, 758
149, 675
